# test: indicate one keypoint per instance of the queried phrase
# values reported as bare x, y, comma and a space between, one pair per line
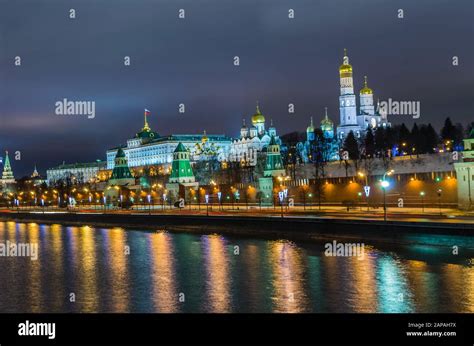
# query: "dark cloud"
190, 61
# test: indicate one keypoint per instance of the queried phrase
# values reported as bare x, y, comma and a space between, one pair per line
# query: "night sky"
190, 61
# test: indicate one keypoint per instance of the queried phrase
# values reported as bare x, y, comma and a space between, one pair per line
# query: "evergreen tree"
416, 140
432, 139
352, 146
369, 143
403, 138
380, 141
448, 134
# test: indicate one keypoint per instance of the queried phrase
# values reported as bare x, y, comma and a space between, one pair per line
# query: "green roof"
120, 153
180, 148
272, 141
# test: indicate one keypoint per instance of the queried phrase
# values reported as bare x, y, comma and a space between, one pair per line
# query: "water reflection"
288, 279
165, 295
218, 279
117, 259
117, 270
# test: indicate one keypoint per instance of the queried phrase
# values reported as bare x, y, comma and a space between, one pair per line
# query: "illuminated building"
149, 148
7, 174
350, 120
252, 140
465, 174
77, 172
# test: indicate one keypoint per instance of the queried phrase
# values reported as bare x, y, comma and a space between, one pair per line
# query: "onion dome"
258, 117
204, 138
345, 70
310, 128
366, 90
326, 123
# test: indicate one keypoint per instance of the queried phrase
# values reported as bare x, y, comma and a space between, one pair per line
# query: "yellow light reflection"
165, 295
286, 261
218, 276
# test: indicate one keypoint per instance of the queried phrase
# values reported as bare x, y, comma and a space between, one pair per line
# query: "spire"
346, 57
325, 114
35, 172
243, 122
146, 127
271, 122
7, 175
365, 81
258, 108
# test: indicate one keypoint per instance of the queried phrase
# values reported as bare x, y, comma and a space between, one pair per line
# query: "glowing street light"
422, 195
385, 184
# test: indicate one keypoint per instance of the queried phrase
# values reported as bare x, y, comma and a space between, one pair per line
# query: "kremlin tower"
347, 100
7, 175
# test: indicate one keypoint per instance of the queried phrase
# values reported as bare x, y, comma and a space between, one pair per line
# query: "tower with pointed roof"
181, 170
347, 100
7, 174
310, 135
327, 126
35, 173
465, 174
181, 179
273, 164
121, 174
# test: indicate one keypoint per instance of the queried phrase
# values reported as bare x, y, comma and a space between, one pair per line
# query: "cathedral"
329, 147
252, 139
350, 119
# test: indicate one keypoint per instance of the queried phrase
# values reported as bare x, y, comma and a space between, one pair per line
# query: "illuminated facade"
350, 119
7, 174
252, 140
77, 172
149, 148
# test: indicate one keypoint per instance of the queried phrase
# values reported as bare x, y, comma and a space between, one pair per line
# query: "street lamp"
439, 201
422, 195
385, 183
366, 187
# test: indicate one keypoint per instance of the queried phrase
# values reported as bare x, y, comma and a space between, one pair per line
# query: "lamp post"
439, 201
366, 186
207, 204
422, 195
149, 204
385, 184
281, 196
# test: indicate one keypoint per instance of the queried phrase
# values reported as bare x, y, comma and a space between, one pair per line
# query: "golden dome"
345, 70
366, 90
258, 117
204, 138
326, 122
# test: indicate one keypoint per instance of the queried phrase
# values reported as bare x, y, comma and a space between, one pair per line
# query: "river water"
85, 269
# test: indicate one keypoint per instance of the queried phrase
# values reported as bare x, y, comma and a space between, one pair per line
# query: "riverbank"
293, 228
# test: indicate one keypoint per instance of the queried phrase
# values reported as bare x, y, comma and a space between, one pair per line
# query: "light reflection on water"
113, 270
